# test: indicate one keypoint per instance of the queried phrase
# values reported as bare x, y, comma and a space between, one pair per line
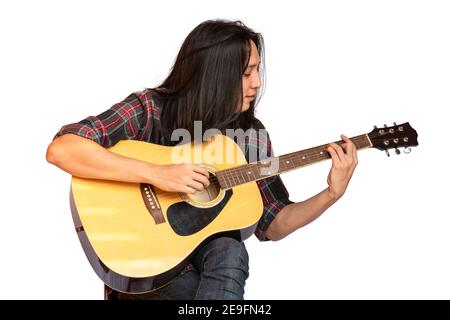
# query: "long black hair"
205, 82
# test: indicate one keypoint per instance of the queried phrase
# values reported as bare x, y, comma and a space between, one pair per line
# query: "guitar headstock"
396, 136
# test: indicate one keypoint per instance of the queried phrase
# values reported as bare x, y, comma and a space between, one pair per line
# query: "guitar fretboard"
235, 176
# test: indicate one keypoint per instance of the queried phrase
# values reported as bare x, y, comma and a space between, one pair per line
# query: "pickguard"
185, 219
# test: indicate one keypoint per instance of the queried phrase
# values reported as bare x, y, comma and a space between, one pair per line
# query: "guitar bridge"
152, 203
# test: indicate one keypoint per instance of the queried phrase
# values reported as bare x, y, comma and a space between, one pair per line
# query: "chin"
245, 107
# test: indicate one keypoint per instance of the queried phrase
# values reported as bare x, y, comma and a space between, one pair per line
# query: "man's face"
251, 80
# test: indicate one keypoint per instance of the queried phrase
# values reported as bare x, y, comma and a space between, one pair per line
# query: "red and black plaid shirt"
138, 118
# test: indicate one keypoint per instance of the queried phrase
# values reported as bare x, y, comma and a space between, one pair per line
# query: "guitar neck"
266, 168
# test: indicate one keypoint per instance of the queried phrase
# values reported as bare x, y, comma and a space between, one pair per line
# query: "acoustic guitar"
138, 237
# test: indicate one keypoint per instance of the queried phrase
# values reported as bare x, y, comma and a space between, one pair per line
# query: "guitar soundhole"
209, 193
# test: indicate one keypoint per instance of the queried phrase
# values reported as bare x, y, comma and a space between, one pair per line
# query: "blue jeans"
221, 268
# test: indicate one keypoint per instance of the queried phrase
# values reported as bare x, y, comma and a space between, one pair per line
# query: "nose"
256, 81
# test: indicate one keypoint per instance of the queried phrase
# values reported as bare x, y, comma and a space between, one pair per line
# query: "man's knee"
227, 252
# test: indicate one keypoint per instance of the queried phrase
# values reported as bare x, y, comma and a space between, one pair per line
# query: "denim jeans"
220, 272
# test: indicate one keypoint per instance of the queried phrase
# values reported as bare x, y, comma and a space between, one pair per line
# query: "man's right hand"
185, 177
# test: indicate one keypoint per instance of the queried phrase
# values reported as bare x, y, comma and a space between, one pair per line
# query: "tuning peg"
387, 152
407, 150
385, 126
397, 151
375, 127
395, 124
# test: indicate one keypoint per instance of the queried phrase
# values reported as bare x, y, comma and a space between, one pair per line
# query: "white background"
332, 66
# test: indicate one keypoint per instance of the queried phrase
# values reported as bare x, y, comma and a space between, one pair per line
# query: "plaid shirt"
137, 117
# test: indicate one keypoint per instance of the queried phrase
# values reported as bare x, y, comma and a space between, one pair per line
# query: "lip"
250, 97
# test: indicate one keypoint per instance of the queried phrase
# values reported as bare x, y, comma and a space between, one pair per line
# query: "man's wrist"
332, 195
147, 172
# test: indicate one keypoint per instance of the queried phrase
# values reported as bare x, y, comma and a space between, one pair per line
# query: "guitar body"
138, 237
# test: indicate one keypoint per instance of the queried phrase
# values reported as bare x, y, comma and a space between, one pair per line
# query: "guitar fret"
244, 180
233, 177
255, 176
238, 177
229, 181
233, 182
248, 173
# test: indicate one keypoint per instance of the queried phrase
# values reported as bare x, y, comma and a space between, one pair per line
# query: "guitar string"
306, 153
233, 172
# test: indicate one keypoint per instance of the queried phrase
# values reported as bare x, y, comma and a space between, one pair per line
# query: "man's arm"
297, 215
85, 158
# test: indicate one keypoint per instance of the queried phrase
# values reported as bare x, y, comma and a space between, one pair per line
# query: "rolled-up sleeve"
275, 197
273, 191
123, 121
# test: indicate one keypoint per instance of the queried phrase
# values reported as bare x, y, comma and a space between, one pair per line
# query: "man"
216, 80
